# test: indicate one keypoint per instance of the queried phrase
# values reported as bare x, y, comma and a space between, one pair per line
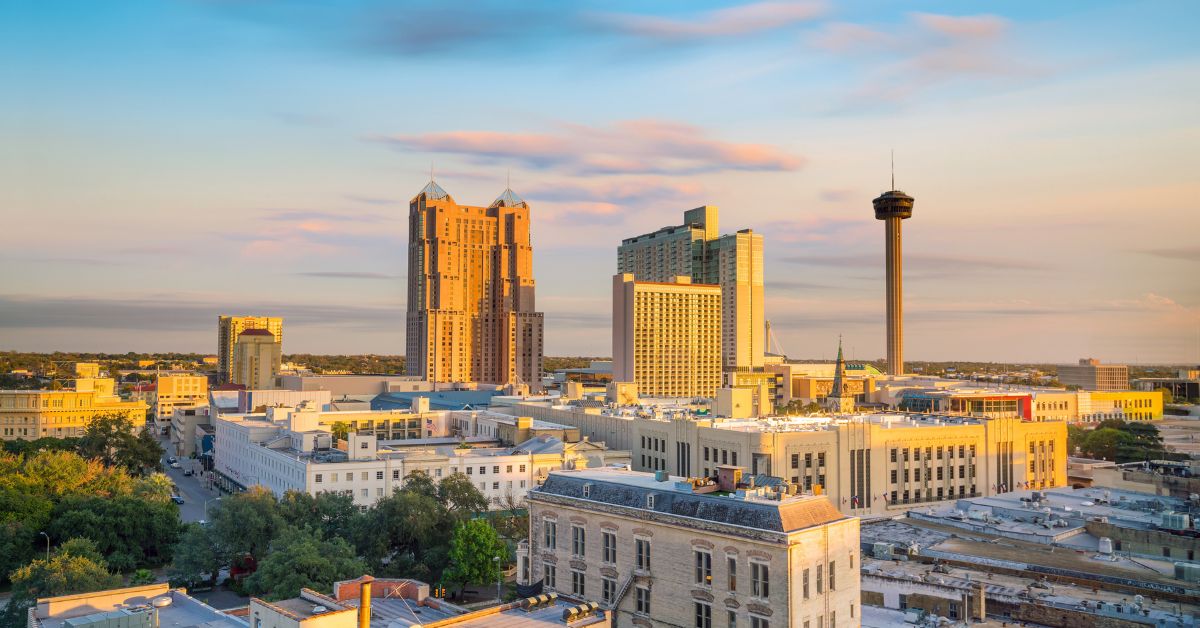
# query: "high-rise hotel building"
228, 330
667, 336
734, 262
471, 314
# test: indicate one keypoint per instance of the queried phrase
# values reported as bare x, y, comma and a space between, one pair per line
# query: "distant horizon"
166, 162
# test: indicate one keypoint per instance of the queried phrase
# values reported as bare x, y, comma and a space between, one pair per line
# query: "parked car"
177, 499
172, 460
188, 472
175, 465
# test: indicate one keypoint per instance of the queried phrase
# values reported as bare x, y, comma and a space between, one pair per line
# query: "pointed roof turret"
508, 198
840, 399
839, 373
432, 192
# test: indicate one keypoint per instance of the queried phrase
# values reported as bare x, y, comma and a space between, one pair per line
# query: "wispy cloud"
929, 50
736, 21
629, 147
305, 215
925, 265
1186, 253
332, 274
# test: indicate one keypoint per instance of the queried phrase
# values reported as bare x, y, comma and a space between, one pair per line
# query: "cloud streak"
629, 147
730, 22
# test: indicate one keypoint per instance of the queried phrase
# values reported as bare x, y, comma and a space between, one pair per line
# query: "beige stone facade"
174, 391
471, 310
1090, 374
659, 553
867, 464
666, 336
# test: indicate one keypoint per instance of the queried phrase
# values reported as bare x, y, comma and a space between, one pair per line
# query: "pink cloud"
963, 27
628, 147
729, 22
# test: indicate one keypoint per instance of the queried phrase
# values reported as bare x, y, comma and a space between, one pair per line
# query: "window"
610, 547
732, 622
363, 445
759, 622
903, 602
706, 454
379, 475
643, 600
832, 619
548, 579
333, 477
496, 469
317, 478
807, 460
795, 461
832, 584
805, 581
650, 501
703, 615
760, 580
470, 470
732, 567
893, 476
578, 583
578, 544
642, 553
495, 486
703, 568
608, 588
820, 579
482, 470
587, 490
550, 529
508, 469
364, 492
821, 459
522, 468
893, 455
952, 614
364, 476
396, 475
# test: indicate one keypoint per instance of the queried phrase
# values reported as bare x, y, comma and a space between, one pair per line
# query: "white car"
176, 465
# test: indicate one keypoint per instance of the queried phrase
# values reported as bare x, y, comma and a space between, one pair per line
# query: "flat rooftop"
184, 611
759, 509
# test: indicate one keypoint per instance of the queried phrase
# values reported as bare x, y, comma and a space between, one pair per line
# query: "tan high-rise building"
667, 336
471, 311
257, 356
228, 330
734, 262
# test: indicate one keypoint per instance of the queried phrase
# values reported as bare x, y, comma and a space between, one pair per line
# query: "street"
191, 488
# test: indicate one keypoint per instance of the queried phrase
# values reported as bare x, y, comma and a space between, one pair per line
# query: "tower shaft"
895, 297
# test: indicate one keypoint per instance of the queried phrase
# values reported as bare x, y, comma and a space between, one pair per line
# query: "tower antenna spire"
893, 168
431, 172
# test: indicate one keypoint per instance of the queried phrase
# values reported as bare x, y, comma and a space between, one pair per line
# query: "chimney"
364, 603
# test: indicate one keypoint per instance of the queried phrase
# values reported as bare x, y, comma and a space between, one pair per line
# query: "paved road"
191, 488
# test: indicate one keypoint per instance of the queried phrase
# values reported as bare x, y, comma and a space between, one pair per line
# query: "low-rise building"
64, 413
664, 551
1093, 406
1090, 374
173, 391
148, 606
354, 385
187, 427
868, 464
294, 449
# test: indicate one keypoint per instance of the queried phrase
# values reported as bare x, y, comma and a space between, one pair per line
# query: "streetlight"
47, 545
499, 575
214, 499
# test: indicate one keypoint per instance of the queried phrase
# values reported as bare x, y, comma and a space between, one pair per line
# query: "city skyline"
177, 161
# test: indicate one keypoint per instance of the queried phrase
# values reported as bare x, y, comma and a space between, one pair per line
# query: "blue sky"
165, 162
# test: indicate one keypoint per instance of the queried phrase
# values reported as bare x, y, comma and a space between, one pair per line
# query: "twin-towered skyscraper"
471, 313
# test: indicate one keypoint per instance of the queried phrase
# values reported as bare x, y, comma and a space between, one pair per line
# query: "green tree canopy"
301, 558
473, 550
130, 531
113, 440
332, 514
1105, 443
73, 569
248, 521
199, 556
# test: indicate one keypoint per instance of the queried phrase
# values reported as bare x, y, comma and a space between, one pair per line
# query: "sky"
164, 162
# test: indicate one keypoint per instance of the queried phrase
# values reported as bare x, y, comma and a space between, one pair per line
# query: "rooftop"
182, 611
673, 495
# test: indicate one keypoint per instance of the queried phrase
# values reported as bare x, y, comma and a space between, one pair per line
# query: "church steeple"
840, 399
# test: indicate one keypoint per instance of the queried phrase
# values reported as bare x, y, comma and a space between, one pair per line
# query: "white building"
294, 449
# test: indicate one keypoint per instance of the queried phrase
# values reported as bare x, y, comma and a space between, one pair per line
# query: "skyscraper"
471, 314
256, 359
892, 207
733, 261
667, 336
228, 330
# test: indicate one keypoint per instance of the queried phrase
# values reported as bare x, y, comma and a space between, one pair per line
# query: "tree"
332, 514
248, 521
340, 430
130, 531
473, 550
1076, 437
300, 558
156, 487
141, 576
73, 569
460, 496
112, 439
199, 556
1104, 443
1168, 396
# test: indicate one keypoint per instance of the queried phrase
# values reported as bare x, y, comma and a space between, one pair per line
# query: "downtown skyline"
174, 161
